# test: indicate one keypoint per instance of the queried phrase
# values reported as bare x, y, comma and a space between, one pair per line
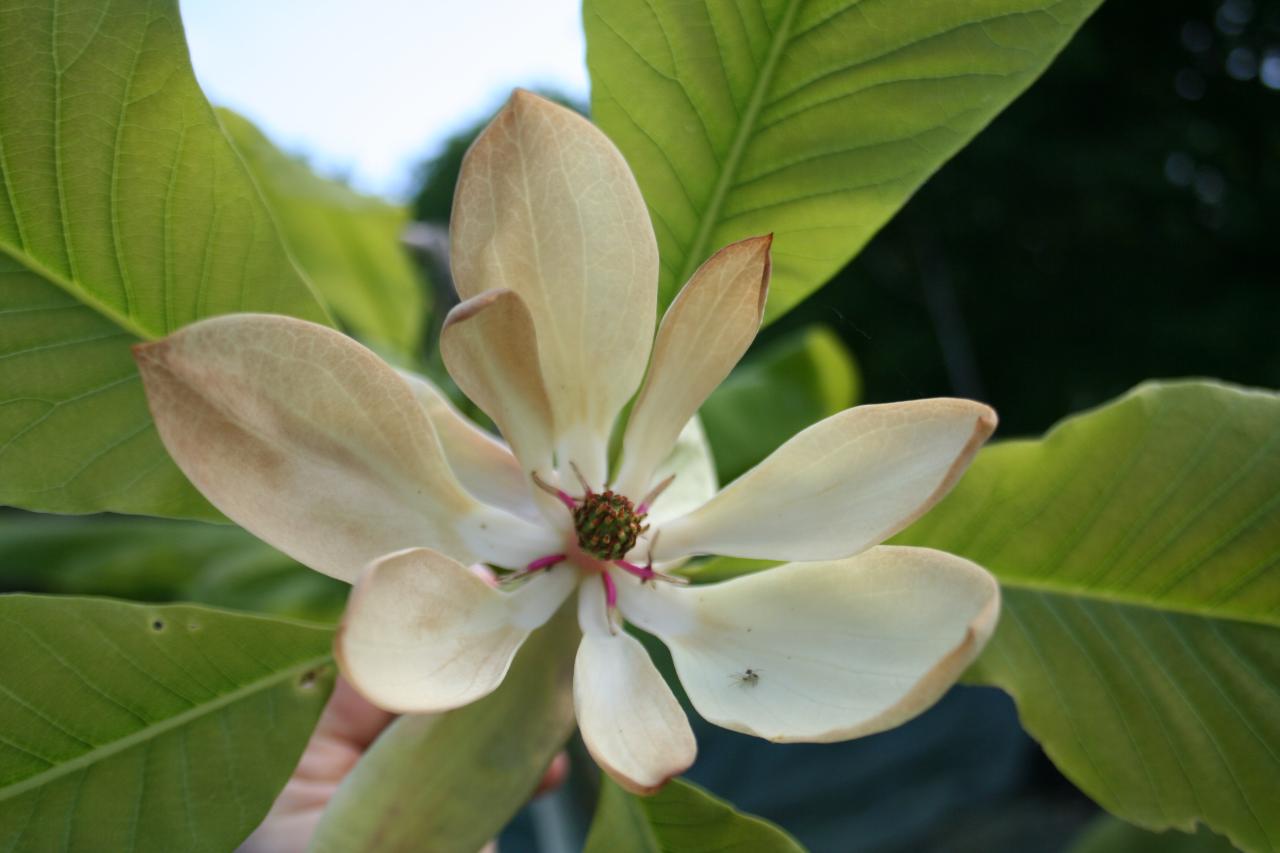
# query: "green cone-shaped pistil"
607, 525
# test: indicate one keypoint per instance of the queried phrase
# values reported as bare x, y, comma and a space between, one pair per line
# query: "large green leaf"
456, 779
349, 244
135, 727
681, 818
776, 392
812, 120
1137, 547
160, 560
124, 213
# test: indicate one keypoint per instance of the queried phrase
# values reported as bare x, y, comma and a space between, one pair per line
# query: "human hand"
348, 725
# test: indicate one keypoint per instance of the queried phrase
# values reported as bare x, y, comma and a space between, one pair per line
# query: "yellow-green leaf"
1137, 547
812, 120
349, 244
139, 727
124, 214
680, 818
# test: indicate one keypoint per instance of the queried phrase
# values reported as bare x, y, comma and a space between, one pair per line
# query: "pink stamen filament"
610, 591
536, 566
544, 563
643, 572
570, 502
648, 573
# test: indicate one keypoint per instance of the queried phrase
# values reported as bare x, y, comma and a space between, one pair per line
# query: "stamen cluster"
607, 525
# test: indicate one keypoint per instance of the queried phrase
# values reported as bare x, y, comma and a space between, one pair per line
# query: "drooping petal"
424, 633
703, 334
546, 206
631, 723
313, 444
490, 349
822, 652
842, 485
483, 464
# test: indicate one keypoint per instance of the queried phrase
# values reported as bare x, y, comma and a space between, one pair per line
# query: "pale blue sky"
365, 89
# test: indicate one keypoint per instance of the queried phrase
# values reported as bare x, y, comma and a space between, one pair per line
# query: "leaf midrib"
81, 294
1184, 609
129, 741
746, 126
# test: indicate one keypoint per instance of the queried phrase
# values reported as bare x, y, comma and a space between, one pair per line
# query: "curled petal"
424, 633
703, 334
484, 465
546, 206
312, 443
822, 652
631, 723
840, 486
488, 345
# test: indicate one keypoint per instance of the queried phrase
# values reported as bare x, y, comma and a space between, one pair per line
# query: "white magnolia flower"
315, 445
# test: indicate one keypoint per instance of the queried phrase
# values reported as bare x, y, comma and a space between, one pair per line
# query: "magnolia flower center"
607, 525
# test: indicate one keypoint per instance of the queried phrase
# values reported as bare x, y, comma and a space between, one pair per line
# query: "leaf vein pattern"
1110, 562
59, 184
746, 126
1144, 641
1051, 677
116, 147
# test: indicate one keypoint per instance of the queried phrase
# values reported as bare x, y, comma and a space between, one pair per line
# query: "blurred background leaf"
1136, 547
126, 214
137, 727
680, 817
158, 560
775, 393
350, 245
1109, 835
811, 122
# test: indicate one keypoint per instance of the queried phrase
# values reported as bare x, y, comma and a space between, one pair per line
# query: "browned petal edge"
154, 352
523, 100
983, 427
763, 245
932, 685
148, 350
630, 785
766, 274
152, 358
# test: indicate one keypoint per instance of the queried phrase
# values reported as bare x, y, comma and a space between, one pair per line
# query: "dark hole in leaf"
157, 625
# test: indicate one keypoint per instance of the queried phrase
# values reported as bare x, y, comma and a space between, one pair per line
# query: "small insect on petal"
747, 678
